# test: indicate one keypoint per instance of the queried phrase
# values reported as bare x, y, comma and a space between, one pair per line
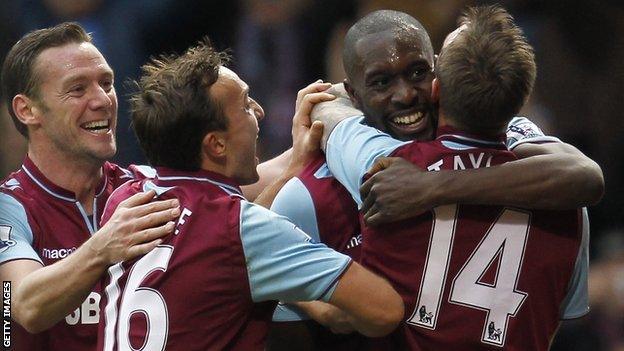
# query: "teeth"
97, 126
409, 119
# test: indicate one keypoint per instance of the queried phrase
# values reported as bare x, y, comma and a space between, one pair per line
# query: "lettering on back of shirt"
185, 213
463, 161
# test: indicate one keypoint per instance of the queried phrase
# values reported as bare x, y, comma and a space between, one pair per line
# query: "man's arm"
372, 306
42, 296
358, 306
550, 176
269, 171
284, 264
331, 113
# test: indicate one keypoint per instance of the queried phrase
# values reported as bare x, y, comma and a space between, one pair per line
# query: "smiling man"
388, 59
61, 97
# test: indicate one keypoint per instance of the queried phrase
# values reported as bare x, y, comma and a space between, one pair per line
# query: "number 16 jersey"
213, 283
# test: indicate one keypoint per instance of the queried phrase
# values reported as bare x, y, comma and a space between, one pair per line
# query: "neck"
494, 133
208, 164
80, 176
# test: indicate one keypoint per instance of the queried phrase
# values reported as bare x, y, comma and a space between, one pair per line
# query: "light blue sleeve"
352, 149
295, 202
521, 130
283, 262
16, 236
576, 303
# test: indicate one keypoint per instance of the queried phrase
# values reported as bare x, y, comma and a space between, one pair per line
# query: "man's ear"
352, 94
435, 90
26, 110
214, 145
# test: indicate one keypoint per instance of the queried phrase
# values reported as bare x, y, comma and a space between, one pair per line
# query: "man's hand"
135, 228
307, 135
397, 190
333, 112
306, 141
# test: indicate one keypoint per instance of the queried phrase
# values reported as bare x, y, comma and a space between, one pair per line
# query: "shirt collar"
33, 172
165, 173
453, 134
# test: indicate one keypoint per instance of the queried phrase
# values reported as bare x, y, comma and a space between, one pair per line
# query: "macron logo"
57, 253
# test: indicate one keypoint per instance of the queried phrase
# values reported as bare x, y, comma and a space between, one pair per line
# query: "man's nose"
259, 112
100, 98
405, 93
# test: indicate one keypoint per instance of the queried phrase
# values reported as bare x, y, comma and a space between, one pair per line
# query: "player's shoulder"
16, 188
120, 194
119, 174
413, 148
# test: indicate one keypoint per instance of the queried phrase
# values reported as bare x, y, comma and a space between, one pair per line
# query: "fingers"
382, 163
138, 199
338, 90
374, 219
151, 234
370, 210
302, 116
369, 201
366, 187
316, 134
155, 206
156, 218
317, 86
142, 249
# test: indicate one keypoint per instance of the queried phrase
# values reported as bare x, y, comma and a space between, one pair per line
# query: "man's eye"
77, 90
107, 85
379, 82
418, 74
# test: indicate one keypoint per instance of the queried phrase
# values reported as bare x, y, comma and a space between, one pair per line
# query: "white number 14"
505, 240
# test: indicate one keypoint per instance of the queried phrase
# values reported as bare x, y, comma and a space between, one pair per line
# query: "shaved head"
401, 24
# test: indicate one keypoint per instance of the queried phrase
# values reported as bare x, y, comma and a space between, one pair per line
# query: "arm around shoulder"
574, 171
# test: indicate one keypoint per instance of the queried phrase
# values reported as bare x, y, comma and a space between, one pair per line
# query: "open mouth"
97, 127
409, 123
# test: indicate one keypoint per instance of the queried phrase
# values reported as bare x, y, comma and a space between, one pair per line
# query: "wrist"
445, 192
94, 252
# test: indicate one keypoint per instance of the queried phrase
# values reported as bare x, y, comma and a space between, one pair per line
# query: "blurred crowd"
280, 46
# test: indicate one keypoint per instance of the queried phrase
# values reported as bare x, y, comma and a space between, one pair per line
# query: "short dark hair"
376, 22
18, 73
172, 110
487, 73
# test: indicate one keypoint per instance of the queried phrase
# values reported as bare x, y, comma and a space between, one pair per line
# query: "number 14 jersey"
472, 277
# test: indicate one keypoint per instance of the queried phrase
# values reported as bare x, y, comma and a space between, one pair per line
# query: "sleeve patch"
5, 238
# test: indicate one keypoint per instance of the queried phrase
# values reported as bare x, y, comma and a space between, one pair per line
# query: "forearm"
266, 197
373, 307
47, 295
269, 171
538, 182
328, 315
